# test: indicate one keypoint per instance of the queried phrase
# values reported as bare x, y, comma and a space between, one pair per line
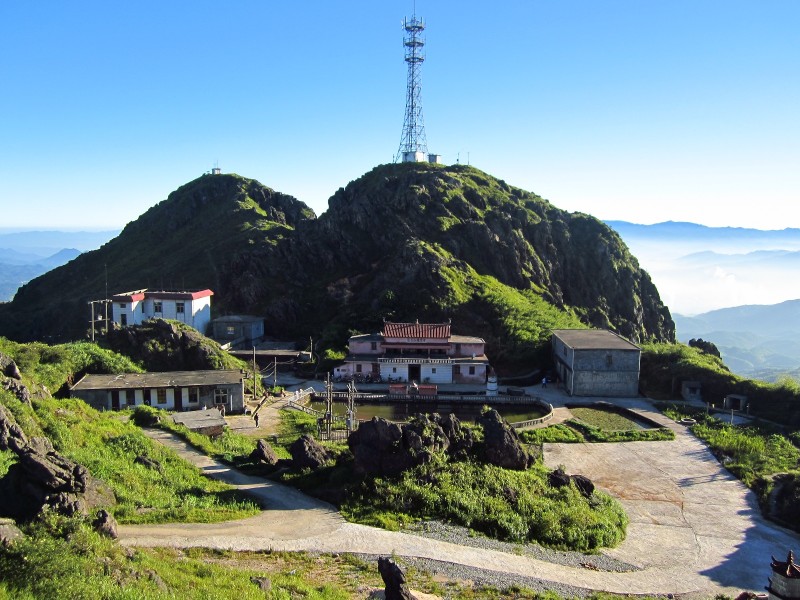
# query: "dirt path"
694, 529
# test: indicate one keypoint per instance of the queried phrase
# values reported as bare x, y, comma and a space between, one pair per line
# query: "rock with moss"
501, 444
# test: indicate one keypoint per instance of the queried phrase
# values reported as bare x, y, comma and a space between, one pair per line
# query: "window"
394, 369
472, 370
161, 396
433, 370
123, 305
157, 306
230, 330
179, 306
194, 395
609, 359
373, 345
358, 368
220, 396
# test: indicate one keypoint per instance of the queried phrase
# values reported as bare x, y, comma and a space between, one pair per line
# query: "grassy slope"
665, 366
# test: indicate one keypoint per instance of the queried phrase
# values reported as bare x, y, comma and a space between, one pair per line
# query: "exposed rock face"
307, 453
394, 579
382, 447
263, 453
11, 379
42, 479
502, 446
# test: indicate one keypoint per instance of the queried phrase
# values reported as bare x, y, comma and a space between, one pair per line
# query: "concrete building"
417, 352
192, 308
240, 331
173, 390
596, 362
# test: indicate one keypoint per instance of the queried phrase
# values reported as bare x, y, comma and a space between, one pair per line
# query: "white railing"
417, 361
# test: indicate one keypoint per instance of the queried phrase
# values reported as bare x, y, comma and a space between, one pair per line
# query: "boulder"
42, 479
502, 446
584, 484
105, 524
9, 368
394, 579
263, 453
9, 532
558, 478
307, 453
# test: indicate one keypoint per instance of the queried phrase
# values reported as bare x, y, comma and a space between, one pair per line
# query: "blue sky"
638, 110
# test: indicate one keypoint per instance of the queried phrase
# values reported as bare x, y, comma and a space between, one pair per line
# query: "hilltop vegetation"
403, 242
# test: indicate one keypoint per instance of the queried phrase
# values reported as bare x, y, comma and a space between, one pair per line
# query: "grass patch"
607, 420
516, 506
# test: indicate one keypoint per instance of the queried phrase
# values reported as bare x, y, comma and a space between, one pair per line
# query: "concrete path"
694, 528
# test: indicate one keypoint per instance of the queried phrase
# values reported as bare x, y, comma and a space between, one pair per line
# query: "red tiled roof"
416, 330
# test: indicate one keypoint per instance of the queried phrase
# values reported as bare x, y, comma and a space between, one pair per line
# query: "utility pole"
275, 373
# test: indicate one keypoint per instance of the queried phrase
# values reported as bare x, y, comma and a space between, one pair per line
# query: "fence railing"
532, 422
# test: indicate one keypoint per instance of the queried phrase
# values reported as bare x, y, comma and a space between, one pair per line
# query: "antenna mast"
413, 145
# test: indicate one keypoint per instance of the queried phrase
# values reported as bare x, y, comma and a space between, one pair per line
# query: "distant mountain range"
758, 341
25, 255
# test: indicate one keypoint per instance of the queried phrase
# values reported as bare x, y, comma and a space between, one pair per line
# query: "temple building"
785, 581
417, 352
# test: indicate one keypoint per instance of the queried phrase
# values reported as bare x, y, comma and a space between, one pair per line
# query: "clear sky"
636, 110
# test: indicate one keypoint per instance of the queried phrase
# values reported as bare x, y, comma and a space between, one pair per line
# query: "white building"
192, 308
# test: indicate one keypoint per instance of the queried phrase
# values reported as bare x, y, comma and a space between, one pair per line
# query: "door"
177, 393
114, 399
414, 373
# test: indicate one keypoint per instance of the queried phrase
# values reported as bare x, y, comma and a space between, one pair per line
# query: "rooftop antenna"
413, 145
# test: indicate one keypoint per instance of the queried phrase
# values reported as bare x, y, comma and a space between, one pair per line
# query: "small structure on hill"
785, 581
190, 307
173, 390
417, 352
596, 362
690, 391
240, 331
735, 402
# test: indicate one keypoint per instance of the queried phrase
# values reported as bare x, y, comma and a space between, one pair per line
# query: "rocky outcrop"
162, 345
263, 453
9, 532
11, 379
394, 579
307, 453
42, 479
381, 447
105, 524
9, 368
501, 444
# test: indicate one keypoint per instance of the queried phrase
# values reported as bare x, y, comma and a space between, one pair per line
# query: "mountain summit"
403, 242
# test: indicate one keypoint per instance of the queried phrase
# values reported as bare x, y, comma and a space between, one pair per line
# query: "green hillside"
403, 242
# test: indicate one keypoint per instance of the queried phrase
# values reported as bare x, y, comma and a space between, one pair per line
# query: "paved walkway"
694, 528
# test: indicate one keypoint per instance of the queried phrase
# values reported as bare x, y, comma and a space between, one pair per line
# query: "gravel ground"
464, 537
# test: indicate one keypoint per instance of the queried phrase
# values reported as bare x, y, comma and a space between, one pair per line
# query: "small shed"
690, 391
735, 402
208, 422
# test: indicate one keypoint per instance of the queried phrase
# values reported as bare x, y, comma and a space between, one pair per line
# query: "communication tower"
413, 144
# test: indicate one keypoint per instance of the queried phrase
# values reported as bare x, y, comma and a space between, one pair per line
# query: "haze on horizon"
644, 112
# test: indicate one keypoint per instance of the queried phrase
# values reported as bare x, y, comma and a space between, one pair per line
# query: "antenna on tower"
413, 144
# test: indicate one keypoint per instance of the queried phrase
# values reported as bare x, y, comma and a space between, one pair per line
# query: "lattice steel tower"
413, 145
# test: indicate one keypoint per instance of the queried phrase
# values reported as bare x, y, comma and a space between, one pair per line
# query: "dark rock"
558, 478
148, 462
18, 389
307, 453
584, 484
156, 579
9, 368
105, 524
263, 453
394, 579
263, 583
502, 446
43, 479
9, 532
